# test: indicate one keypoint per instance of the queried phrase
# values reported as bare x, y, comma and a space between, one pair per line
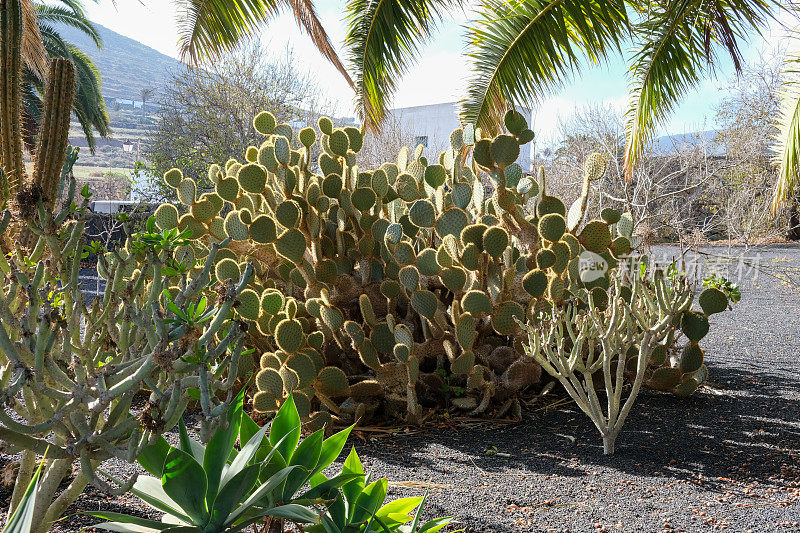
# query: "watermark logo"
591, 266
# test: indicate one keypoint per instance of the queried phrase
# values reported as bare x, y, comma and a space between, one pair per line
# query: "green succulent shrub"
77, 365
273, 474
360, 507
371, 284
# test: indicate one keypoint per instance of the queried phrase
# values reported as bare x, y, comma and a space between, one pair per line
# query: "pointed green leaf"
185, 482
150, 490
286, 424
152, 458
220, 446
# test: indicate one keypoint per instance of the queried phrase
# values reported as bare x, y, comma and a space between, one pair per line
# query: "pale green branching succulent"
69, 371
574, 345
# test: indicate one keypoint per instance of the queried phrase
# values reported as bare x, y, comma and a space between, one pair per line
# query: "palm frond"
522, 50
678, 43
89, 105
70, 14
383, 37
788, 137
306, 15
33, 53
209, 28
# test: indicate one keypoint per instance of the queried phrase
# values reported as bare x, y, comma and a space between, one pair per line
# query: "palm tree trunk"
793, 234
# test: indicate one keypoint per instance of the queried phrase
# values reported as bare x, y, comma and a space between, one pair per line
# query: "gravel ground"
726, 458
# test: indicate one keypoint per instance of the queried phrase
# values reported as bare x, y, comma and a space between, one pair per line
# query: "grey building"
430, 126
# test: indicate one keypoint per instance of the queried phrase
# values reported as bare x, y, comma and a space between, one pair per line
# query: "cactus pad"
173, 177
495, 241
691, 357
422, 214
289, 335
535, 283
713, 300
331, 381
552, 226
424, 302
291, 245
595, 236
694, 325
166, 216
505, 150
264, 123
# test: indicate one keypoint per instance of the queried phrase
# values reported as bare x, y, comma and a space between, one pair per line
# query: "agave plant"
360, 507
219, 489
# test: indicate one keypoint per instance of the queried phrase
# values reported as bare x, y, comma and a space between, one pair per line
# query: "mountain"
127, 66
708, 139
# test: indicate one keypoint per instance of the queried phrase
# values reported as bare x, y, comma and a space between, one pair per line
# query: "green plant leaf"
188, 444
244, 457
152, 458
185, 482
274, 481
352, 490
286, 428
331, 448
247, 429
22, 519
123, 519
296, 513
370, 500
150, 490
324, 486
434, 525
306, 457
401, 506
220, 446
133, 528
232, 494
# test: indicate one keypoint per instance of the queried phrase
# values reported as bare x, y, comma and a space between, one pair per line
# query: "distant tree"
749, 122
385, 145
144, 95
206, 115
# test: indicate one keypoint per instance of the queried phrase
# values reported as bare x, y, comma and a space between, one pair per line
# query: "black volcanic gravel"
727, 458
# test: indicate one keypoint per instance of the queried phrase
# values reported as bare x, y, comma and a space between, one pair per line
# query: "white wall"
436, 121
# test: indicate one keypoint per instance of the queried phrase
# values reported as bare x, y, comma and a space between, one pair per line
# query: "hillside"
127, 66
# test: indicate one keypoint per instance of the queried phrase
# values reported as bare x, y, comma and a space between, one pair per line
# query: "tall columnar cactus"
69, 371
52, 136
54, 131
10, 99
573, 346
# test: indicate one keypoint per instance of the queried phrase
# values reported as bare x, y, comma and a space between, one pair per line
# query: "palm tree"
144, 95
788, 137
89, 106
521, 50
787, 187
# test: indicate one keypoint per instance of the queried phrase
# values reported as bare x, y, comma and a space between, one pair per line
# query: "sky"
442, 72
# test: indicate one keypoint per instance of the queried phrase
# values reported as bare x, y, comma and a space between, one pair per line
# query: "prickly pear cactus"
373, 287
678, 364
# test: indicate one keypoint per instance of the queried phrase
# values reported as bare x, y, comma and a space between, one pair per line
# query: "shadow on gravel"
741, 429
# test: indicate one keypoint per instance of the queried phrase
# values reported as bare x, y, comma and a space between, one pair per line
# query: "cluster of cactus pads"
375, 290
